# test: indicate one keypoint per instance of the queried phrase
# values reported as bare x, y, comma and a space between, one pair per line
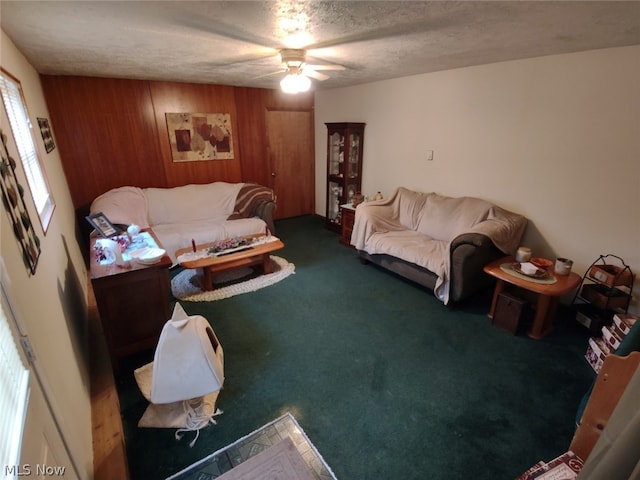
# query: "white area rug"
184, 285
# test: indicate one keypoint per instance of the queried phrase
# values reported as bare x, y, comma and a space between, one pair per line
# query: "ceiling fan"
298, 71
246, 40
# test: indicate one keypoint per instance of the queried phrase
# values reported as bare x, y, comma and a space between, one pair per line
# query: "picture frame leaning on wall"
103, 225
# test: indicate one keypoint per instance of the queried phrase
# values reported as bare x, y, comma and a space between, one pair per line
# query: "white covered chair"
184, 379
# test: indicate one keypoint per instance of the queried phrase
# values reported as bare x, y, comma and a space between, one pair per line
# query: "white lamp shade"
295, 83
189, 360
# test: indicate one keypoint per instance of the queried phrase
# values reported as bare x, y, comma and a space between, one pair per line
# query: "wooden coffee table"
548, 294
258, 254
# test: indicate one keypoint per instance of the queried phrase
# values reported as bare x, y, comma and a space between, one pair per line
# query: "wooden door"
291, 157
42, 450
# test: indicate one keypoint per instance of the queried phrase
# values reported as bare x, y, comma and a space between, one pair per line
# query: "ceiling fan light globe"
304, 84
295, 83
288, 84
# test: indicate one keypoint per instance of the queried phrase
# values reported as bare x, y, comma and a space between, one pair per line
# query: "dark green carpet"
386, 381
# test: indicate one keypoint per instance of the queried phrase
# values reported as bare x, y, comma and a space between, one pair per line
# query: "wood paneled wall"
194, 98
112, 132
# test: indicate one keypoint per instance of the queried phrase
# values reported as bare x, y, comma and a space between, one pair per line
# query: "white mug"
523, 254
563, 266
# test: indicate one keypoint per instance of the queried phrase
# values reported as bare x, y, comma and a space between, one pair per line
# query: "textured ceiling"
237, 42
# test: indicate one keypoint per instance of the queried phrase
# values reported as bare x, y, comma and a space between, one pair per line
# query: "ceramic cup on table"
563, 266
523, 254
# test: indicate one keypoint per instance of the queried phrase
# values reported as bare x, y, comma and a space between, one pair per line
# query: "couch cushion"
212, 201
123, 205
408, 205
179, 235
444, 218
413, 247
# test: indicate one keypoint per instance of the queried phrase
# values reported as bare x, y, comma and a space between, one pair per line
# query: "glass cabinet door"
333, 202
354, 156
352, 188
336, 153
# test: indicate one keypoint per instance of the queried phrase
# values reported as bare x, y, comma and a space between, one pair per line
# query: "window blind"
22, 134
14, 392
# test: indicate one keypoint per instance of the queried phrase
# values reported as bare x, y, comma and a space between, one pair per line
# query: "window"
23, 135
14, 378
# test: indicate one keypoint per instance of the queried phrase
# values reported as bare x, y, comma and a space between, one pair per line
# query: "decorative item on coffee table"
227, 244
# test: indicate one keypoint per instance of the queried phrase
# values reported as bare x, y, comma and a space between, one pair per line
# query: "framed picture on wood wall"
200, 136
47, 136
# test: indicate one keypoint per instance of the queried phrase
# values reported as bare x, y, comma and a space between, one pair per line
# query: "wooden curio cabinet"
344, 168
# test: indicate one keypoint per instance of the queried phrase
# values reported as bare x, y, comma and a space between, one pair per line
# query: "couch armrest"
469, 253
265, 211
475, 239
255, 200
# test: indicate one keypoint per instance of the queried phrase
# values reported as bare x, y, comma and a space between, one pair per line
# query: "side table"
547, 294
348, 214
132, 301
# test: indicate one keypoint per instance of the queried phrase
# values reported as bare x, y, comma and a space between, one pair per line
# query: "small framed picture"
47, 137
103, 226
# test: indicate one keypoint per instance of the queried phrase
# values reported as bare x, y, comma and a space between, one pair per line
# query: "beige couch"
440, 242
199, 212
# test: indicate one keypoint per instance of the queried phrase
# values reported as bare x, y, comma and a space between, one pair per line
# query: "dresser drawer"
348, 219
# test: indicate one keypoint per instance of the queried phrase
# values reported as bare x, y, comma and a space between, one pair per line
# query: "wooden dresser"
132, 301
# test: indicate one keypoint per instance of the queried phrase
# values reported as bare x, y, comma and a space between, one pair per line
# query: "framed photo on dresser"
103, 225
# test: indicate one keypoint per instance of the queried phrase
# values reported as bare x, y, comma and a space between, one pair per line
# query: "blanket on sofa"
195, 202
127, 205
179, 216
123, 206
249, 197
419, 228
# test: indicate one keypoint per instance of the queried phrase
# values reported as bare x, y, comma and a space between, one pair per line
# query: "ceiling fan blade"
315, 75
324, 67
205, 20
282, 70
423, 17
259, 61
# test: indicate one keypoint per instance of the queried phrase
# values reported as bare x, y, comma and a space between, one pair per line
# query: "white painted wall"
554, 138
53, 302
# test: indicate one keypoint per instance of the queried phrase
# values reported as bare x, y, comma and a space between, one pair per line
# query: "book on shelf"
609, 339
596, 352
564, 467
623, 322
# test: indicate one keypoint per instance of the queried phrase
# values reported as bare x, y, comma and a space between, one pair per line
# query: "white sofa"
440, 242
199, 212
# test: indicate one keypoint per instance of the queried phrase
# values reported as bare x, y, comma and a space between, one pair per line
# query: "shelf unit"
344, 168
605, 290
